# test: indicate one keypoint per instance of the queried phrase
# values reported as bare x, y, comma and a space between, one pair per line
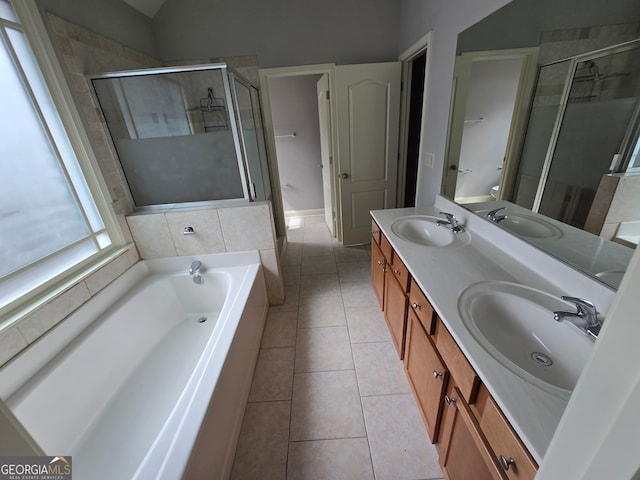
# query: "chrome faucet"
585, 317
195, 266
451, 223
492, 215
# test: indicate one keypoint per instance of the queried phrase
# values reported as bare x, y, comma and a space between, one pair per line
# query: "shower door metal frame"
562, 107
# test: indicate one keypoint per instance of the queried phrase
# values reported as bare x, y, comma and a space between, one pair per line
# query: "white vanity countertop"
492, 254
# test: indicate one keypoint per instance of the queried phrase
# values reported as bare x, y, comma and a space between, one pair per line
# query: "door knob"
453, 167
345, 176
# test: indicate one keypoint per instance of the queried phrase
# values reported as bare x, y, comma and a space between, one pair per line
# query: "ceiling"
148, 7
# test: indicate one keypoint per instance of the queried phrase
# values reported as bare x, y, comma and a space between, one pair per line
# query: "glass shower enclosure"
189, 134
583, 119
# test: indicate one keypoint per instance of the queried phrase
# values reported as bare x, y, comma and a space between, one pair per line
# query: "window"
54, 223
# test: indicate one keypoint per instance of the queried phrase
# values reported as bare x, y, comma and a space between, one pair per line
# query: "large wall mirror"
544, 126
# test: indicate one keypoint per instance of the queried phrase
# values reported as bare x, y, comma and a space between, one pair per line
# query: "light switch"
428, 159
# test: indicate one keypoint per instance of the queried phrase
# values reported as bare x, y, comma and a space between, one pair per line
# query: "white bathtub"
135, 384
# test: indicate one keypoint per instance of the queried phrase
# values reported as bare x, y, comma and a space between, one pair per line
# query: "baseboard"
304, 213
478, 199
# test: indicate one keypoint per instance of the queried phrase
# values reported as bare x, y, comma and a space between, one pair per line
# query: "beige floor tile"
292, 254
379, 369
358, 294
318, 236
319, 285
273, 376
317, 250
367, 324
280, 329
291, 274
344, 459
321, 312
326, 405
291, 297
400, 447
263, 443
352, 254
319, 264
315, 220
323, 349
354, 272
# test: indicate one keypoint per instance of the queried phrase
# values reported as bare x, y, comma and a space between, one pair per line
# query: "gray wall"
112, 18
279, 32
294, 108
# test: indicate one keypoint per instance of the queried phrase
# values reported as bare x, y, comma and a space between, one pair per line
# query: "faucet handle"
585, 308
450, 216
496, 218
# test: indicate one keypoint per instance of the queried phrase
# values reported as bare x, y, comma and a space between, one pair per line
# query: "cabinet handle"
416, 306
449, 400
380, 262
506, 463
437, 375
397, 272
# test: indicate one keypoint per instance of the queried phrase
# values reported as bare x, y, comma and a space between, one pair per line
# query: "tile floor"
329, 398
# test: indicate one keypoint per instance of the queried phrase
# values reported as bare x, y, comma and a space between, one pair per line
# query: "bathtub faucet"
195, 266
194, 269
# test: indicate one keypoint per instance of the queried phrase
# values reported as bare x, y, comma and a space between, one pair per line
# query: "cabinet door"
395, 310
512, 454
377, 273
465, 452
427, 374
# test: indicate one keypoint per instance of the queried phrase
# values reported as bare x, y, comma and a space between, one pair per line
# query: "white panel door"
325, 150
368, 111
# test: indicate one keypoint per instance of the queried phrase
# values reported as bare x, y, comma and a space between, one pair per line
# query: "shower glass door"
600, 103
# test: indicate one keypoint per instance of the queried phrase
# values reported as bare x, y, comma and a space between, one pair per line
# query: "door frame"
524, 95
265, 74
406, 57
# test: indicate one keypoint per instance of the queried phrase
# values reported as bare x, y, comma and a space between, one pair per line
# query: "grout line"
326, 439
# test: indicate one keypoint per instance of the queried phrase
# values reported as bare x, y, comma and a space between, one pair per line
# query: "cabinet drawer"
505, 444
385, 246
375, 232
457, 363
419, 304
400, 272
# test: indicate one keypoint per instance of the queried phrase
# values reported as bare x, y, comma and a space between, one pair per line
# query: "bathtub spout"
195, 266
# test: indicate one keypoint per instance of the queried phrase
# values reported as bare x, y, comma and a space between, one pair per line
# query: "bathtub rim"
19, 370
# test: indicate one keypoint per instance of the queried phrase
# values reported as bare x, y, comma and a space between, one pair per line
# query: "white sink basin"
423, 230
529, 226
515, 325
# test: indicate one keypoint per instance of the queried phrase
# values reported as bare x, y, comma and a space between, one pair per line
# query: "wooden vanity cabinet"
395, 310
511, 454
473, 437
426, 372
378, 266
463, 449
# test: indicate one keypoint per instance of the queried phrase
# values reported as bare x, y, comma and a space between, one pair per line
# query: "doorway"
288, 138
415, 67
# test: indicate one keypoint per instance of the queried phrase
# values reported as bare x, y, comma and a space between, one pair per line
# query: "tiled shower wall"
221, 229
81, 53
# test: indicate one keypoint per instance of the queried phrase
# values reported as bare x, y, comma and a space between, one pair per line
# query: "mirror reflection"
548, 131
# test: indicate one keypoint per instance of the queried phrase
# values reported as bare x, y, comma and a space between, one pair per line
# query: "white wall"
279, 32
294, 108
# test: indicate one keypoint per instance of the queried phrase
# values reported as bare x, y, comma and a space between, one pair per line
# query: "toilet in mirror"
544, 127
